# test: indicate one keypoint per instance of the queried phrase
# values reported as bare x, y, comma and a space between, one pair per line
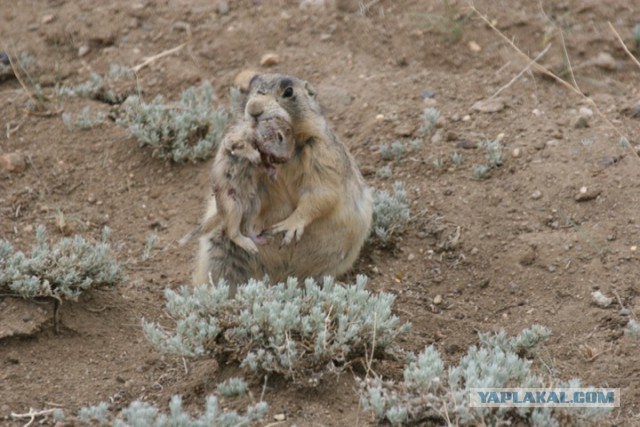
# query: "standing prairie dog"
318, 200
237, 171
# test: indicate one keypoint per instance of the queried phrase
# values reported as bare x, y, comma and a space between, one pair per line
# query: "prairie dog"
237, 171
318, 200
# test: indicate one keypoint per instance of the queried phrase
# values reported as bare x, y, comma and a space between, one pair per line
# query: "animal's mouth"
267, 159
267, 154
269, 162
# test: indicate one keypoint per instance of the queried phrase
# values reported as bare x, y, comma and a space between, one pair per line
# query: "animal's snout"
255, 108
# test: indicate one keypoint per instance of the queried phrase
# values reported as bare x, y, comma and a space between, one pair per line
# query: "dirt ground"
518, 248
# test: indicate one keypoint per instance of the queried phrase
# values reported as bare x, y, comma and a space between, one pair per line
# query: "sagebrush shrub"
83, 121
285, 328
390, 214
143, 414
430, 118
232, 387
63, 270
393, 152
633, 328
187, 131
23, 62
494, 154
429, 391
384, 172
457, 158
112, 88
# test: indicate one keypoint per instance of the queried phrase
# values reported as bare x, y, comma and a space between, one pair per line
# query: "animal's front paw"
247, 244
254, 156
291, 229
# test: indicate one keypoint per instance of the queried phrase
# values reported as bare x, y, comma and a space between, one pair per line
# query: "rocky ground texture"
522, 241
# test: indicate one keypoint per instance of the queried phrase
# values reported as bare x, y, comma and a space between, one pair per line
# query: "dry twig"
624, 46
524, 70
31, 95
547, 72
32, 414
153, 58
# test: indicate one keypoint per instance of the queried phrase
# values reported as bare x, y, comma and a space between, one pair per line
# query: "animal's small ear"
253, 80
311, 91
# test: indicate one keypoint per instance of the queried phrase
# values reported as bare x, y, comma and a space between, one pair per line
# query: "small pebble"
474, 47
47, 19
466, 118
243, 78
466, 145
404, 129
380, 117
411, 257
516, 152
605, 61
528, 256
585, 194
492, 105
13, 162
536, 195
279, 417
429, 102
269, 60
585, 111
437, 299
600, 299
427, 94
83, 50
181, 27
552, 143
313, 4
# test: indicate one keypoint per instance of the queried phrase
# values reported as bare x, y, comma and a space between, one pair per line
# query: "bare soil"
508, 251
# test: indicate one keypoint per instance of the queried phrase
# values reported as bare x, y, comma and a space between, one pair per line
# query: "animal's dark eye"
288, 92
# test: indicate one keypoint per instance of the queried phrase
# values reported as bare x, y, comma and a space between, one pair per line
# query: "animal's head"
282, 96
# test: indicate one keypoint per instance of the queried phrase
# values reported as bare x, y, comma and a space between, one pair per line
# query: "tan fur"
319, 200
235, 174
